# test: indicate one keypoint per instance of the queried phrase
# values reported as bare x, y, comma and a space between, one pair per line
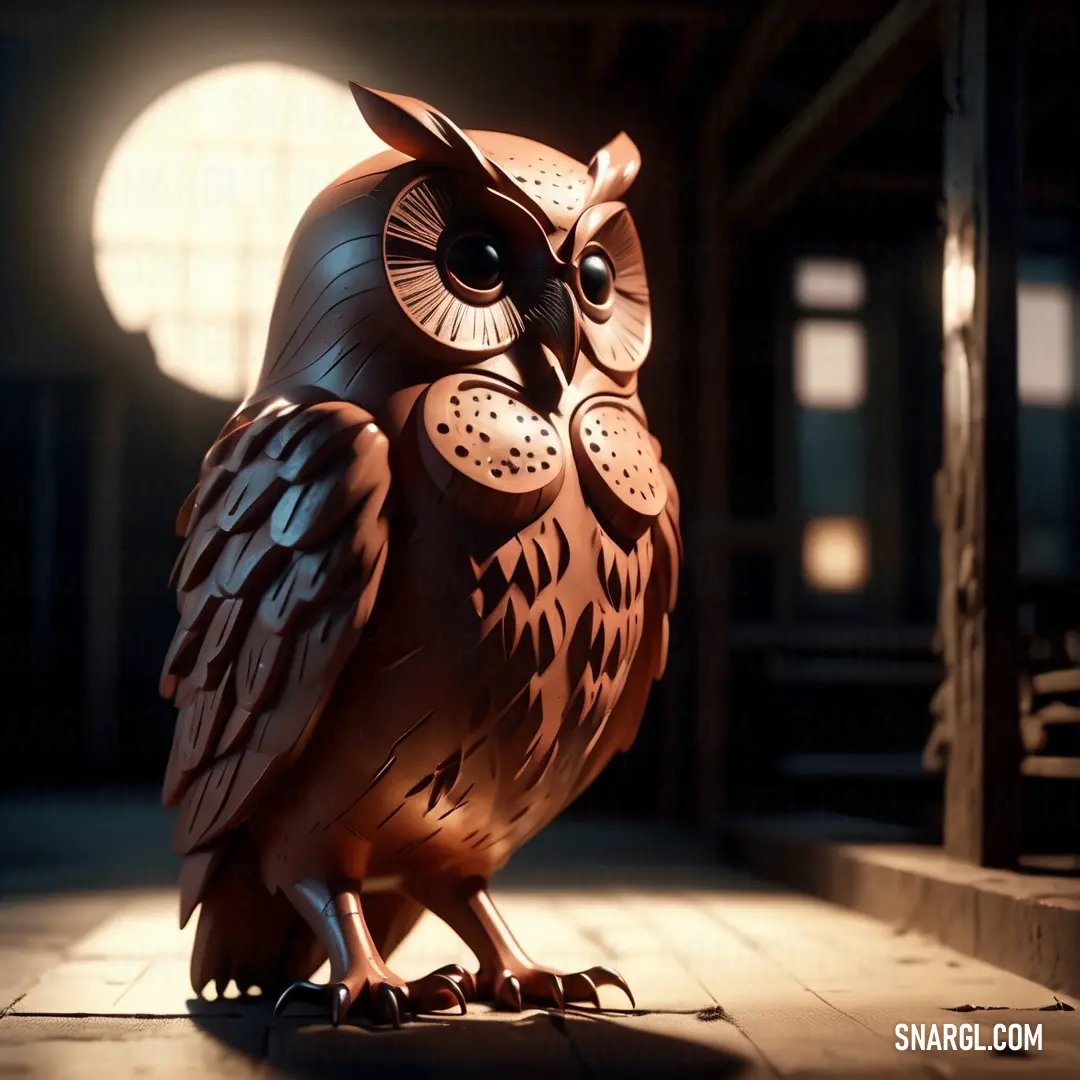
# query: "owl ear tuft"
613, 169
416, 129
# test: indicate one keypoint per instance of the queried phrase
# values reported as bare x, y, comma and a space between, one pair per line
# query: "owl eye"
474, 263
597, 278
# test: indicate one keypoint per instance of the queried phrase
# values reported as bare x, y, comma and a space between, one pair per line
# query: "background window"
1047, 356
830, 381
198, 202
830, 363
836, 554
1046, 342
829, 284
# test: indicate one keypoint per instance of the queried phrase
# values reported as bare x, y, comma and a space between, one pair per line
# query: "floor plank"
1024, 921
792, 1027
879, 978
35, 931
732, 977
144, 925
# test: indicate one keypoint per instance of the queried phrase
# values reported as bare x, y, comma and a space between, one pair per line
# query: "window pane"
836, 554
1044, 488
830, 363
831, 462
1044, 551
1046, 340
830, 284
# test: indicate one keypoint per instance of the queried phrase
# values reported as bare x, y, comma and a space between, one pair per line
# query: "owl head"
463, 249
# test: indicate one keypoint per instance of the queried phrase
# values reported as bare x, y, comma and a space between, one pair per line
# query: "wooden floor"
732, 977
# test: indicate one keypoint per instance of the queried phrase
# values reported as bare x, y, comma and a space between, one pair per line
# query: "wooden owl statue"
426, 572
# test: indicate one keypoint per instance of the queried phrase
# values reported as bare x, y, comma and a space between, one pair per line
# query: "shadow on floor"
534, 1045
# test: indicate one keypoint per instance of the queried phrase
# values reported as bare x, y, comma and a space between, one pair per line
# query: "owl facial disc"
498, 461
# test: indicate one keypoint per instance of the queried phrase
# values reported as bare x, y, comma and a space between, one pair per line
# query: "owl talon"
383, 1001
462, 976
336, 995
604, 976
429, 993
307, 992
556, 991
340, 1000
551, 989
386, 1004
509, 993
579, 987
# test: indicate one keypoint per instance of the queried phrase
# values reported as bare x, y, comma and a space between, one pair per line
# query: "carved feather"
279, 576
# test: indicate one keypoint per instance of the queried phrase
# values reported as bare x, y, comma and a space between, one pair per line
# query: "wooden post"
43, 567
773, 28
103, 575
977, 486
711, 473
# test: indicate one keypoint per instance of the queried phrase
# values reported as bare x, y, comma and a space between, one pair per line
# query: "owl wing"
668, 558
285, 541
661, 593
650, 660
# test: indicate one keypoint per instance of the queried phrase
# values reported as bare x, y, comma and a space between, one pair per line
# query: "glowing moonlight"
198, 202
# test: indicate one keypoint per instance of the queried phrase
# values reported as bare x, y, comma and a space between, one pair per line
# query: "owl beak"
555, 323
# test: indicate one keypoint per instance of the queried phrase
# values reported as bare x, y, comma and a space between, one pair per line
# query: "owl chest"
496, 679
557, 643
502, 464
559, 613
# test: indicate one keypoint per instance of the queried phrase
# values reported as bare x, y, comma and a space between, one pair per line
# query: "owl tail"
247, 934
255, 938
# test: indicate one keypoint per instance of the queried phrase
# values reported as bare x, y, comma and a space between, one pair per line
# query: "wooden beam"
701, 12
768, 36
1051, 768
846, 13
913, 185
1053, 193
977, 484
860, 91
45, 14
